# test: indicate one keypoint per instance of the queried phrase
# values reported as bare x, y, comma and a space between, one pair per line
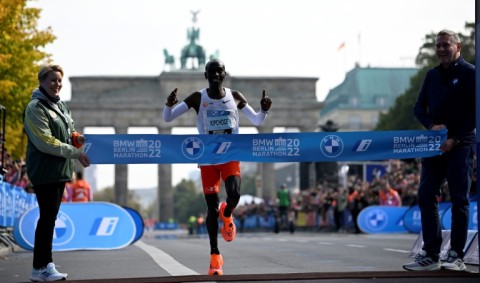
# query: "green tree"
400, 115
21, 54
187, 201
248, 185
108, 195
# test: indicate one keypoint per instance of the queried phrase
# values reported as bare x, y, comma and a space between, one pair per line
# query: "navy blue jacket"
448, 97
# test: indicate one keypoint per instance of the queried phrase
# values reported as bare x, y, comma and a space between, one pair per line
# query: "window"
354, 122
381, 101
354, 101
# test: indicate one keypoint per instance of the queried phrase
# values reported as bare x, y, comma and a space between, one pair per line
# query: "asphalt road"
260, 257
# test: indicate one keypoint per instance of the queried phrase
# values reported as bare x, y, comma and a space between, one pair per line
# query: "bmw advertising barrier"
138, 220
81, 226
382, 219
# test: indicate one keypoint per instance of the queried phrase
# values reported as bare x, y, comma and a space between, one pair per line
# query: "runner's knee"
232, 186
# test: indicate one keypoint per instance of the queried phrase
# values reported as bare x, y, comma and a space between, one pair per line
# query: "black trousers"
456, 167
49, 198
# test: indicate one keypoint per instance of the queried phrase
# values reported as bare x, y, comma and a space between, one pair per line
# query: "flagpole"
359, 49
341, 48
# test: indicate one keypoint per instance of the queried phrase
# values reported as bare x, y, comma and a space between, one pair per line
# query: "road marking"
398, 251
356, 246
165, 261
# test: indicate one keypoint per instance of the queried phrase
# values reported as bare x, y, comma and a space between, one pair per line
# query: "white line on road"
398, 251
356, 246
165, 261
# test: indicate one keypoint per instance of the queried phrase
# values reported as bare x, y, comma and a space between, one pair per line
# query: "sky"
308, 38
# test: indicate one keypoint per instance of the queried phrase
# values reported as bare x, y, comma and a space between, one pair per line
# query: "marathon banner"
275, 147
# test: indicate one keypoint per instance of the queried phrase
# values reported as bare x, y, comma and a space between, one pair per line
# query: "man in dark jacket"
447, 101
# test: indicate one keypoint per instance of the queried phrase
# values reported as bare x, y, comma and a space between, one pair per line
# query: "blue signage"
14, 201
81, 226
382, 219
275, 147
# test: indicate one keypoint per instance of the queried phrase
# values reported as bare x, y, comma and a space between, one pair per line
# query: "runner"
217, 113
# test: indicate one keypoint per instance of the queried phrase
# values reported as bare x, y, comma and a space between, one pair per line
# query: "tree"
400, 115
21, 54
108, 195
248, 185
187, 202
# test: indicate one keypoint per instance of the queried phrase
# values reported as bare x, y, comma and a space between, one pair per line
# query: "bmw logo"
64, 230
192, 148
376, 220
331, 146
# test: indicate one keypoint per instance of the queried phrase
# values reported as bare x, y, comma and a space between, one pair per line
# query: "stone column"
121, 175
267, 172
165, 189
310, 166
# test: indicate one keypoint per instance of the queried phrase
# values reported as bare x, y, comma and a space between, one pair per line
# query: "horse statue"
192, 50
169, 59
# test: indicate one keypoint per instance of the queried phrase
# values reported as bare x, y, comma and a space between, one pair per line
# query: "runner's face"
215, 73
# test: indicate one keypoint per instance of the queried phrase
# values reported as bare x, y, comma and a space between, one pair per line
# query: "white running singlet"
217, 116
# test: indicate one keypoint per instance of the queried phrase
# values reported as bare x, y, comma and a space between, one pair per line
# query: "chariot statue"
193, 50
169, 60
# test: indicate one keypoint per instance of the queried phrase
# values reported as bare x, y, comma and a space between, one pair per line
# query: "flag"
341, 46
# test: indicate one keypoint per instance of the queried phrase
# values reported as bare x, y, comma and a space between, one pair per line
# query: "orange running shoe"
229, 231
216, 263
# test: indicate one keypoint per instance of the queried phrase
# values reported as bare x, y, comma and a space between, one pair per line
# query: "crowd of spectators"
328, 207
15, 173
14, 170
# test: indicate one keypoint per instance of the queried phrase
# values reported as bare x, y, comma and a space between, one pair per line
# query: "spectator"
341, 201
387, 195
81, 190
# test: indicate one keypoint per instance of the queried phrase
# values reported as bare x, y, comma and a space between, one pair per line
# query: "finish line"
274, 147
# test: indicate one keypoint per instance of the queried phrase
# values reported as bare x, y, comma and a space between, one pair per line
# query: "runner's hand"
265, 102
172, 98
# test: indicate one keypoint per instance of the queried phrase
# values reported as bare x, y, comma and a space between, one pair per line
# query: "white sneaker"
49, 273
423, 262
454, 262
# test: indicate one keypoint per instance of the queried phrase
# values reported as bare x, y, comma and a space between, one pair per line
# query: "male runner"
217, 110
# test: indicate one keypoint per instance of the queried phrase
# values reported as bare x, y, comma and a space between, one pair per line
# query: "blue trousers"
455, 167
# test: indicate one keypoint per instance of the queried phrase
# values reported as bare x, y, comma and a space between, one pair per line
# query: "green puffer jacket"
50, 154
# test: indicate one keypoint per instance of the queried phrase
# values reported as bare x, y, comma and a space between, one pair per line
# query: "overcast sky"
253, 37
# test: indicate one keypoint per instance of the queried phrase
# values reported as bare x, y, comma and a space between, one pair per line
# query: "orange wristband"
75, 142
